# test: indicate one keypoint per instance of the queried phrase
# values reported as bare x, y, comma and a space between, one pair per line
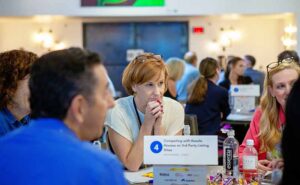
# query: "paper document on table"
239, 117
139, 176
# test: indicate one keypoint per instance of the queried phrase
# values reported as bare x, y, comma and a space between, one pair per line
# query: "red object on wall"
198, 30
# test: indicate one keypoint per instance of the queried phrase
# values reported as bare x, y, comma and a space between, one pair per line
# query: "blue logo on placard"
236, 89
156, 147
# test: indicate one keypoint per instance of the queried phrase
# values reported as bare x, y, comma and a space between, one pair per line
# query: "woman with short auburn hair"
144, 112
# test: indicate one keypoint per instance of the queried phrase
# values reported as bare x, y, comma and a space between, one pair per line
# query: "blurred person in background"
190, 74
14, 91
256, 76
222, 64
288, 54
234, 73
175, 68
207, 100
290, 136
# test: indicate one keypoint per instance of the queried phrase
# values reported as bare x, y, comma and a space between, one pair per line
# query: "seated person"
289, 54
175, 68
269, 119
256, 76
144, 112
207, 100
190, 73
69, 97
290, 136
14, 90
234, 73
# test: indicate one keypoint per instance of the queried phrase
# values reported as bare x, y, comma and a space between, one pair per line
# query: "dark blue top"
241, 80
209, 111
8, 122
46, 152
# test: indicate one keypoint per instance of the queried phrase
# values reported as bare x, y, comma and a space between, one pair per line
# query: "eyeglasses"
274, 65
147, 56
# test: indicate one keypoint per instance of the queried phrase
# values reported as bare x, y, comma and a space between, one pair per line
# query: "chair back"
191, 120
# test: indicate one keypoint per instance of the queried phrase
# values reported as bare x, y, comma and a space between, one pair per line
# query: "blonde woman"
175, 68
269, 119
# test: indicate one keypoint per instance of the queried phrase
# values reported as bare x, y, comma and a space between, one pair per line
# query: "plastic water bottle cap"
250, 142
230, 133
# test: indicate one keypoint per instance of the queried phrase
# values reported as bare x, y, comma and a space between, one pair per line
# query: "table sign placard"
244, 90
181, 150
179, 174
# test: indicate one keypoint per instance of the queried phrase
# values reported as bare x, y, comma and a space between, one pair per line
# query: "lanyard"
138, 116
137, 113
140, 124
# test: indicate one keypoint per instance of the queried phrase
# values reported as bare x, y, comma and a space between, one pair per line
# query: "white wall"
260, 34
260, 37
173, 7
18, 33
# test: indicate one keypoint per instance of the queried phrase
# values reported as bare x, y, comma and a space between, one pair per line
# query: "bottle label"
249, 162
228, 158
235, 167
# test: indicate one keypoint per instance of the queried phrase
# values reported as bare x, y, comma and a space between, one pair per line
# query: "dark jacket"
242, 80
209, 111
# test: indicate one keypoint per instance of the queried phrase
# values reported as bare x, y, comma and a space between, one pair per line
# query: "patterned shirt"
8, 122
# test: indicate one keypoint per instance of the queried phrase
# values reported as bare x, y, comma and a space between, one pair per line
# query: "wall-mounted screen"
101, 3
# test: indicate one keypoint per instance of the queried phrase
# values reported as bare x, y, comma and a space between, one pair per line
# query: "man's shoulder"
94, 156
105, 164
253, 71
94, 151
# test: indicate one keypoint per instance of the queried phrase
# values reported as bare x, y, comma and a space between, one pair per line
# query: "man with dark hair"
288, 54
69, 98
256, 76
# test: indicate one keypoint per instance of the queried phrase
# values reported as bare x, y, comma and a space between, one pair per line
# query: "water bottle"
250, 159
187, 130
230, 155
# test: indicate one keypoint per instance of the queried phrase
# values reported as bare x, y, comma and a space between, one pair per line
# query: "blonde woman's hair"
175, 68
142, 69
270, 134
197, 90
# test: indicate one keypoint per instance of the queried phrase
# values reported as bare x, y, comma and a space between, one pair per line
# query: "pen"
149, 174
